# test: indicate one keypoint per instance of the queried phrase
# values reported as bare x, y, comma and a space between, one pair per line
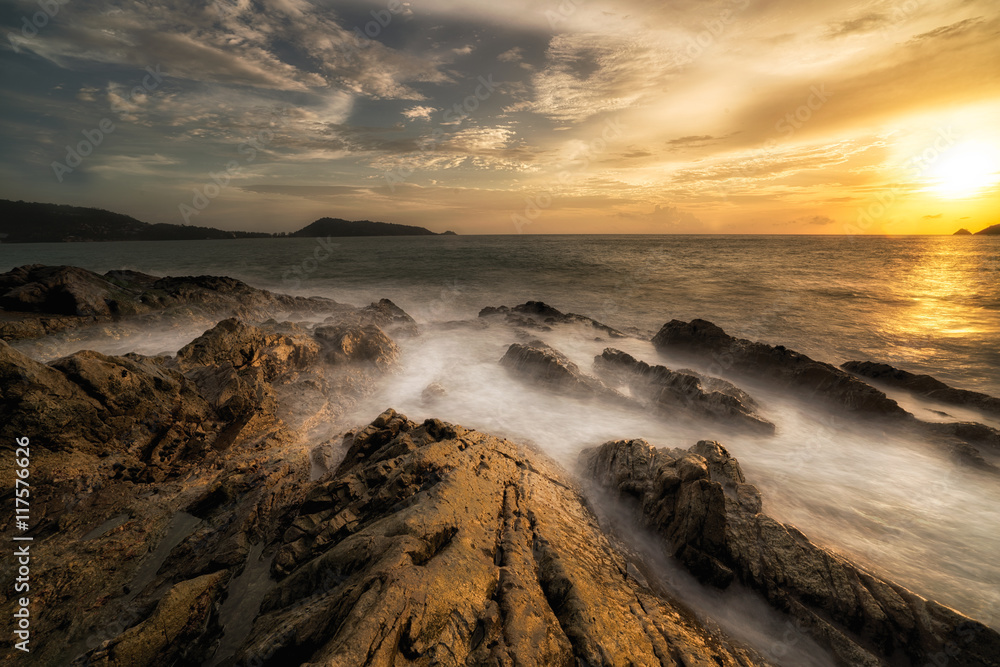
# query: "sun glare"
965, 170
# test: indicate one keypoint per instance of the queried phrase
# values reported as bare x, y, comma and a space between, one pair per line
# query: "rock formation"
788, 368
668, 391
923, 385
433, 543
38, 300
712, 521
541, 316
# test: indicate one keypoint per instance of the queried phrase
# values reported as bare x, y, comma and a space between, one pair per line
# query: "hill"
993, 230
29, 222
340, 227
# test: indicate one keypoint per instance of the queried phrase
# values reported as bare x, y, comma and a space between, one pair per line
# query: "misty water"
891, 502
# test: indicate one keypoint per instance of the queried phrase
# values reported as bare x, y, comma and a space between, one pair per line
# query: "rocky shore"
225, 506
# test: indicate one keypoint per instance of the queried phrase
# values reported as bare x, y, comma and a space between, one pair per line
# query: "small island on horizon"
31, 222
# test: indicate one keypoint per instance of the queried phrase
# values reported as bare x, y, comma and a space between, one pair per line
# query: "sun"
964, 170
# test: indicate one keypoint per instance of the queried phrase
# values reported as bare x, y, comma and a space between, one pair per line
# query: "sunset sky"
520, 116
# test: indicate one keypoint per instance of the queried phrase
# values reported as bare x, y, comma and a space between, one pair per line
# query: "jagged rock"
436, 544
540, 316
122, 446
172, 633
710, 383
39, 299
546, 366
345, 343
924, 385
383, 314
789, 368
712, 521
668, 391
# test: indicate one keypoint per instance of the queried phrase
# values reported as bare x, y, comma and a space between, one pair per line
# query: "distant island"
29, 222
992, 230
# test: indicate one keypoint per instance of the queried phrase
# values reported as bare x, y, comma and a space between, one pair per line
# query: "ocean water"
927, 303
893, 503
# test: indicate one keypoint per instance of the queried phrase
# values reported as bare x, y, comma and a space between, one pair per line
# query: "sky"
520, 116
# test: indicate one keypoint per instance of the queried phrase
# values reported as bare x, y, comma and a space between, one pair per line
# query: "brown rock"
711, 518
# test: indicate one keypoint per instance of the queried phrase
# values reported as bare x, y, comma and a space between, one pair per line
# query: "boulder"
350, 343
713, 523
38, 299
541, 316
923, 385
545, 366
668, 391
791, 370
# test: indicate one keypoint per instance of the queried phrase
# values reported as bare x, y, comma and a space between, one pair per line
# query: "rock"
436, 544
173, 468
31, 295
547, 367
433, 392
541, 316
790, 369
345, 343
726, 387
923, 385
174, 632
711, 519
962, 232
383, 314
669, 391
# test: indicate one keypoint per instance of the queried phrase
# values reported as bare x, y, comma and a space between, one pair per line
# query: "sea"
896, 505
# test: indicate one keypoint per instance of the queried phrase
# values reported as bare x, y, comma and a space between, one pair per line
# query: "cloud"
419, 113
514, 55
307, 191
934, 217
667, 218
861, 24
951, 30
588, 74
810, 220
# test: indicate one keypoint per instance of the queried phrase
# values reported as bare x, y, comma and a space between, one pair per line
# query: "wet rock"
543, 365
38, 299
790, 369
711, 519
346, 343
541, 316
433, 392
173, 468
434, 543
668, 391
174, 632
923, 385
